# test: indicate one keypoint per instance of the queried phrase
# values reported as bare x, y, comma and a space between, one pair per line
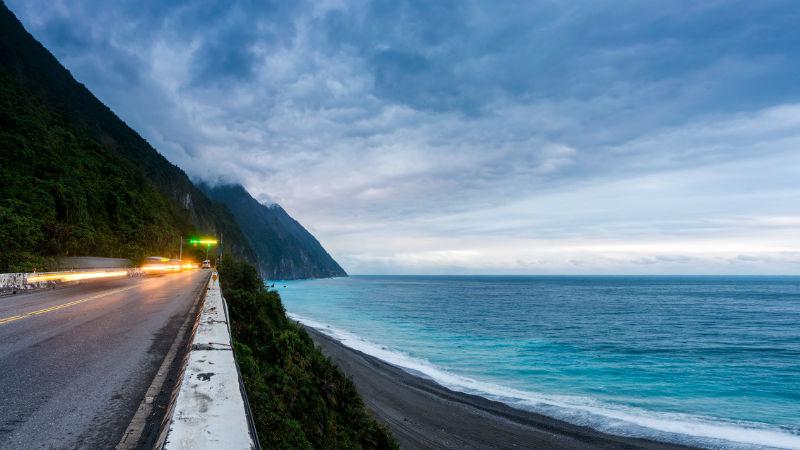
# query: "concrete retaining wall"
92, 262
210, 409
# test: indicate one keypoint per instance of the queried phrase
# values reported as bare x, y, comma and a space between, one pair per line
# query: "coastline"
425, 415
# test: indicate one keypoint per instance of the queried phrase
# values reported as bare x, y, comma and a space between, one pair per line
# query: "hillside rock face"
285, 250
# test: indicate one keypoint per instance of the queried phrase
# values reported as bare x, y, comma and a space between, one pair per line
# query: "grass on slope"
299, 398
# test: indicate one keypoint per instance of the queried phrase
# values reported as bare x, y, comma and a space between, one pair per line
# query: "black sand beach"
425, 415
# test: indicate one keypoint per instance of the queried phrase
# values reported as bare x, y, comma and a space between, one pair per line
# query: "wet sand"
425, 415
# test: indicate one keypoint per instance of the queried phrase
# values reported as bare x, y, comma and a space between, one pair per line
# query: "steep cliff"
285, 250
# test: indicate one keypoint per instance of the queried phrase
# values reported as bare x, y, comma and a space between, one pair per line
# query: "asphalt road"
73, 375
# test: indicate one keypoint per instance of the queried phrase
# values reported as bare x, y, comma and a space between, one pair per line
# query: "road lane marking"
10, 319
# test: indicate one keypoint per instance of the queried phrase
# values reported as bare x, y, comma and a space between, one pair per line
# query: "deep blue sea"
708, 361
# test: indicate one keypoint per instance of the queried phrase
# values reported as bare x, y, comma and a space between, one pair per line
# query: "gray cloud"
463, 136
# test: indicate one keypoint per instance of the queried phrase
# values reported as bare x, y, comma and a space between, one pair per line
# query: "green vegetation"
63, 193
76, 180
299, 399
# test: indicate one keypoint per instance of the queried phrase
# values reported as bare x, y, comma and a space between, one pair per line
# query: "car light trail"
160, 268
160, 265
76, 276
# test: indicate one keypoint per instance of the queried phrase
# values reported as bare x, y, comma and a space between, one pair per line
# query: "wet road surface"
75, 362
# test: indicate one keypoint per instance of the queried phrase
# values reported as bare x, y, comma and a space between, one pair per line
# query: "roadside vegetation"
64, 194
298, 397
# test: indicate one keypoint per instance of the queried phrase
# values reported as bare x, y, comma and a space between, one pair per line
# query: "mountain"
76, 180
285, 250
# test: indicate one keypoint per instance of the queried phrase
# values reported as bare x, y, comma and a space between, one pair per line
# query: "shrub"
298, 397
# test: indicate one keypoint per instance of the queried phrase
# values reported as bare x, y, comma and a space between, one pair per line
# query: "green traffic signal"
208, 241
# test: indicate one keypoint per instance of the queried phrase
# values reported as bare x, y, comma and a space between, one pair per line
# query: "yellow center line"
10, 319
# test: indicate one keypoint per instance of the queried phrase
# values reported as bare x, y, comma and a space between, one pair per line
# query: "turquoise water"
709, 361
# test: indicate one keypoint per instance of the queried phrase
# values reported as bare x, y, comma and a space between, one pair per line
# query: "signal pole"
180, 255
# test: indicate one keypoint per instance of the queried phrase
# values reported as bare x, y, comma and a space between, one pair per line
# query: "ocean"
707, 361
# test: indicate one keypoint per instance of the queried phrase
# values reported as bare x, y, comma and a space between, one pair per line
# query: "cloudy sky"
472, 137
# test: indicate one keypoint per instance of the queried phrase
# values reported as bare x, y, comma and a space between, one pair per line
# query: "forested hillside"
63, 193
76, 180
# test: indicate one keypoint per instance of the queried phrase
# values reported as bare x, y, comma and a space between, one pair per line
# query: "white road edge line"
134, 431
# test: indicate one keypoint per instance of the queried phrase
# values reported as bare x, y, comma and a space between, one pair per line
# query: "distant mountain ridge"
285, 250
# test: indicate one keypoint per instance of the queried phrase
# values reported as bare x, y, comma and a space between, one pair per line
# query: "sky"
472, 137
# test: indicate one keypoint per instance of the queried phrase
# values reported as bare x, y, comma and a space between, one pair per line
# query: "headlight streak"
148, 268
76, 276
170, 267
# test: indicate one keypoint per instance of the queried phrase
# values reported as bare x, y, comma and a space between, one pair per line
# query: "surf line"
10, 319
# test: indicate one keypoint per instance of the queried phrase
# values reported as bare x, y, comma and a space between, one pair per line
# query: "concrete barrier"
210, 409
14, 282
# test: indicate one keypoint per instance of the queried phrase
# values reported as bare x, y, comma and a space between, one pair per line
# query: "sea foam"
579, 410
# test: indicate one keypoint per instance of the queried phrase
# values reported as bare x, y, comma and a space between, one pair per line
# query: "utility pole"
219, 251
180, 255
